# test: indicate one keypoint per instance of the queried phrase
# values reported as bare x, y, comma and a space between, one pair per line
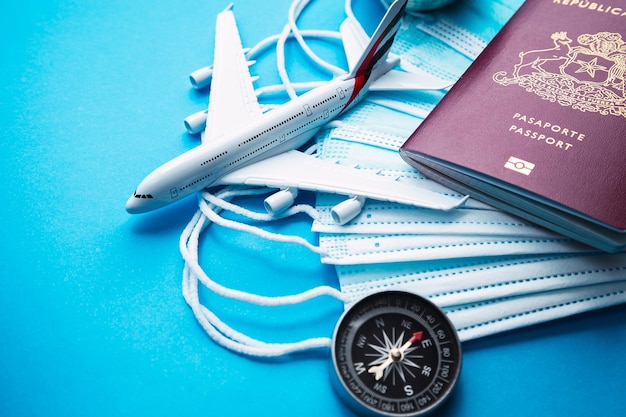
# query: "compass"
395, 354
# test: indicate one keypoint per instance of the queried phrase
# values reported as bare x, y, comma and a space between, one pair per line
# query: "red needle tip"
417, 336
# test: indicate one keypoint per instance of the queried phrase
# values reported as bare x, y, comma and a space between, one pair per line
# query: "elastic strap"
219, 331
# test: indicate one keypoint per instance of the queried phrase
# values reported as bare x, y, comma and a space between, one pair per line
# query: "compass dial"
395, 354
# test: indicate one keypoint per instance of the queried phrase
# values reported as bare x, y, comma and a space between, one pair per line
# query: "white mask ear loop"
294, 13
218, 202
217, 329
224, 204
280, 57
291, 29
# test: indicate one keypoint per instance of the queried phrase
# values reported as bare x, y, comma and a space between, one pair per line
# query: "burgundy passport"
537, 124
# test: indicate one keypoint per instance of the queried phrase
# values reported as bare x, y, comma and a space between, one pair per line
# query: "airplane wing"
412, 78
233, 102
298, 170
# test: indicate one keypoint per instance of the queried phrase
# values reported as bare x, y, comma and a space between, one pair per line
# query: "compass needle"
380, 369
402, 374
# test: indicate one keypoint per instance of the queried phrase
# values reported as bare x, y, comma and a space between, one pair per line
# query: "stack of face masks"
488, 270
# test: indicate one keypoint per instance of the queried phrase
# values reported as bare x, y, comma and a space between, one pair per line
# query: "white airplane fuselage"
281, 129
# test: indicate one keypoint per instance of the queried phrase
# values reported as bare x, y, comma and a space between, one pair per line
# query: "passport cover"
537, 124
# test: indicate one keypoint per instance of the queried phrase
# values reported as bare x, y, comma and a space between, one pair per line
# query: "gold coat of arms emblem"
587, 75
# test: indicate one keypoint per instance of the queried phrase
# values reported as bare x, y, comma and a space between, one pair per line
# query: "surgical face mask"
420, 49
495, 316
496, 13
444, 42
353, 146
466, 26
453, 282
376, 125
450, 32
347, 249
383, 218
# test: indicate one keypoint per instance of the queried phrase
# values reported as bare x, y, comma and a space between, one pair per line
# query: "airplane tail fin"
380, 43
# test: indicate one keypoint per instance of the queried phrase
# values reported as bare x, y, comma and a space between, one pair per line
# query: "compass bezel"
359, 395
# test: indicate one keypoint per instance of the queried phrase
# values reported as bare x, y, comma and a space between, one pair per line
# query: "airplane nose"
136, 205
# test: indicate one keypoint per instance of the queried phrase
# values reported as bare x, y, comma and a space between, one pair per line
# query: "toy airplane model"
243, 145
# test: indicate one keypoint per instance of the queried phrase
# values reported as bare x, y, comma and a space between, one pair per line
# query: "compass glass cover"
395, 353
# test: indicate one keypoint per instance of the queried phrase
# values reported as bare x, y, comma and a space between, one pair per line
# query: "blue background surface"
92, 319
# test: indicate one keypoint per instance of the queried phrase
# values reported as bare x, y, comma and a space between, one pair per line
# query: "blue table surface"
93, 321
